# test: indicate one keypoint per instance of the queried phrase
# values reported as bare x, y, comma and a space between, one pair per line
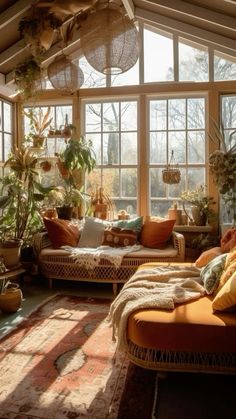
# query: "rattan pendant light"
109, 41
64, 75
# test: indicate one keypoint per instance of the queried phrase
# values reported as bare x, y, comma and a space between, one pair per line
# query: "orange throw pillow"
228, 240
61, 232
207, 256
155, 234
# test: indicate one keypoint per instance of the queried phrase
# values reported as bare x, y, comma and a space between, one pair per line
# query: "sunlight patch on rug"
60, 363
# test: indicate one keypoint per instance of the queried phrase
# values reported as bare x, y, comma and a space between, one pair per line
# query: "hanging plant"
27, 78
223, 166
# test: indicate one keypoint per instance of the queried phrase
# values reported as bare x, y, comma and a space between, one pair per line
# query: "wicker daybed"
57, 263
189, 338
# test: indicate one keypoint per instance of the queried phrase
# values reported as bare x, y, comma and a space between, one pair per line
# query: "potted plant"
28, 76
20, 201
223, 167
39, 122
200, 205
77, 158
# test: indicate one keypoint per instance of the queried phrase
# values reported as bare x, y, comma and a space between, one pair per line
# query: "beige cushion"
225, 299
207, 256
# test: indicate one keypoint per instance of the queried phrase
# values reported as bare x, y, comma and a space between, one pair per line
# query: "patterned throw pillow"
61, 232
133, 224
211, 273
119, 237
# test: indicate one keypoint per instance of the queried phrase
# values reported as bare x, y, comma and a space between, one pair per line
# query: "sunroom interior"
183, 83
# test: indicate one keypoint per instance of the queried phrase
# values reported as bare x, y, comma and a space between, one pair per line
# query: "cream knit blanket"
89, 257
160, 287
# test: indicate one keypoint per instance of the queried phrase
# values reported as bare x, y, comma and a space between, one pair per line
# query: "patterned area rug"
60, 363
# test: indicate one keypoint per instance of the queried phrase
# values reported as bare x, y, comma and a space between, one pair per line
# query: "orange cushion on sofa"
207, 256
61, 232
228, 240
155, 234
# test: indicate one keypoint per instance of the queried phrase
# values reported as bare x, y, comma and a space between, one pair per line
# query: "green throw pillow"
211, 273
133, 224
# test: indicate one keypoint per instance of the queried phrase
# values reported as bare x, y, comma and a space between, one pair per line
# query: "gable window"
175, 124
112, 127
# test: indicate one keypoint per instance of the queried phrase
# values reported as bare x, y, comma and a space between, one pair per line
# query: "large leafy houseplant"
20, 198
223, 166
77, 158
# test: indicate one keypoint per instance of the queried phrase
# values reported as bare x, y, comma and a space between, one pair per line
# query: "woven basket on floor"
11, 299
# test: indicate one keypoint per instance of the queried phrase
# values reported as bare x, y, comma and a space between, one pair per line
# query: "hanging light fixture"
64, 75
109, 41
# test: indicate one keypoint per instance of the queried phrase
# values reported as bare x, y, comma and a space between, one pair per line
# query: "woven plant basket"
171, 174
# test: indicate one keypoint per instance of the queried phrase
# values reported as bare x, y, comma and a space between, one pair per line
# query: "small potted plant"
200, 205
39, 122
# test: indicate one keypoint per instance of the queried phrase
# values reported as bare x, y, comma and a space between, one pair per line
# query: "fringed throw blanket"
160, 287
89, 258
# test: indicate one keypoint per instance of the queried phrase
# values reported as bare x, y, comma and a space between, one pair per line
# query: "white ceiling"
211, 21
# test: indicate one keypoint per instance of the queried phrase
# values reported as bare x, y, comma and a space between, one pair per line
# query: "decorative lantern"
65, 75
109, 41
171, 174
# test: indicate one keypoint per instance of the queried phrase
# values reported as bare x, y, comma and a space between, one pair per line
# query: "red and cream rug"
60, 363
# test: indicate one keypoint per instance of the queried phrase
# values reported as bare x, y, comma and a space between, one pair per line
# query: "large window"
175, 125
112, 127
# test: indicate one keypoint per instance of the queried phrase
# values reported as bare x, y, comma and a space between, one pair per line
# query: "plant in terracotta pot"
200, 205
21, 196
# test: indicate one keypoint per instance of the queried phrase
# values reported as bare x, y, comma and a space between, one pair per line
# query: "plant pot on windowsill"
10, 250
65, 212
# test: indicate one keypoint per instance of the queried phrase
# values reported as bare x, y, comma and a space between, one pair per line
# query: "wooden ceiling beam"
185, 29
129, 7
14, 11
200, 13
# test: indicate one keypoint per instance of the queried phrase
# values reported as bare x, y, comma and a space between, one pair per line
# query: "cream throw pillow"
92, 233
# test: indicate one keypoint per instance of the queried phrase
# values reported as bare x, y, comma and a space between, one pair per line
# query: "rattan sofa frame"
63, 267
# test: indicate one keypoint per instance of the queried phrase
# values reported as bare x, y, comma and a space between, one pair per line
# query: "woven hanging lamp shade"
109, 41
65, 75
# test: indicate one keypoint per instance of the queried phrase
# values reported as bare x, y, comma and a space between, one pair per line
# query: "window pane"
177, 144
195, 177
111, 116
130, 77
129, 205
177, 114
93, 117
7, 117
92, 78
158, 115
61, 113
160, 208
158, 187
158, 147
93, 181
224, 67
175, 190
193, 62
228, 111
196, 113
111, 148
129, 148
7, 145
196, 147
96, 140
1, 150
110, 182
129, 183
158, 57
1, 115
128, 116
